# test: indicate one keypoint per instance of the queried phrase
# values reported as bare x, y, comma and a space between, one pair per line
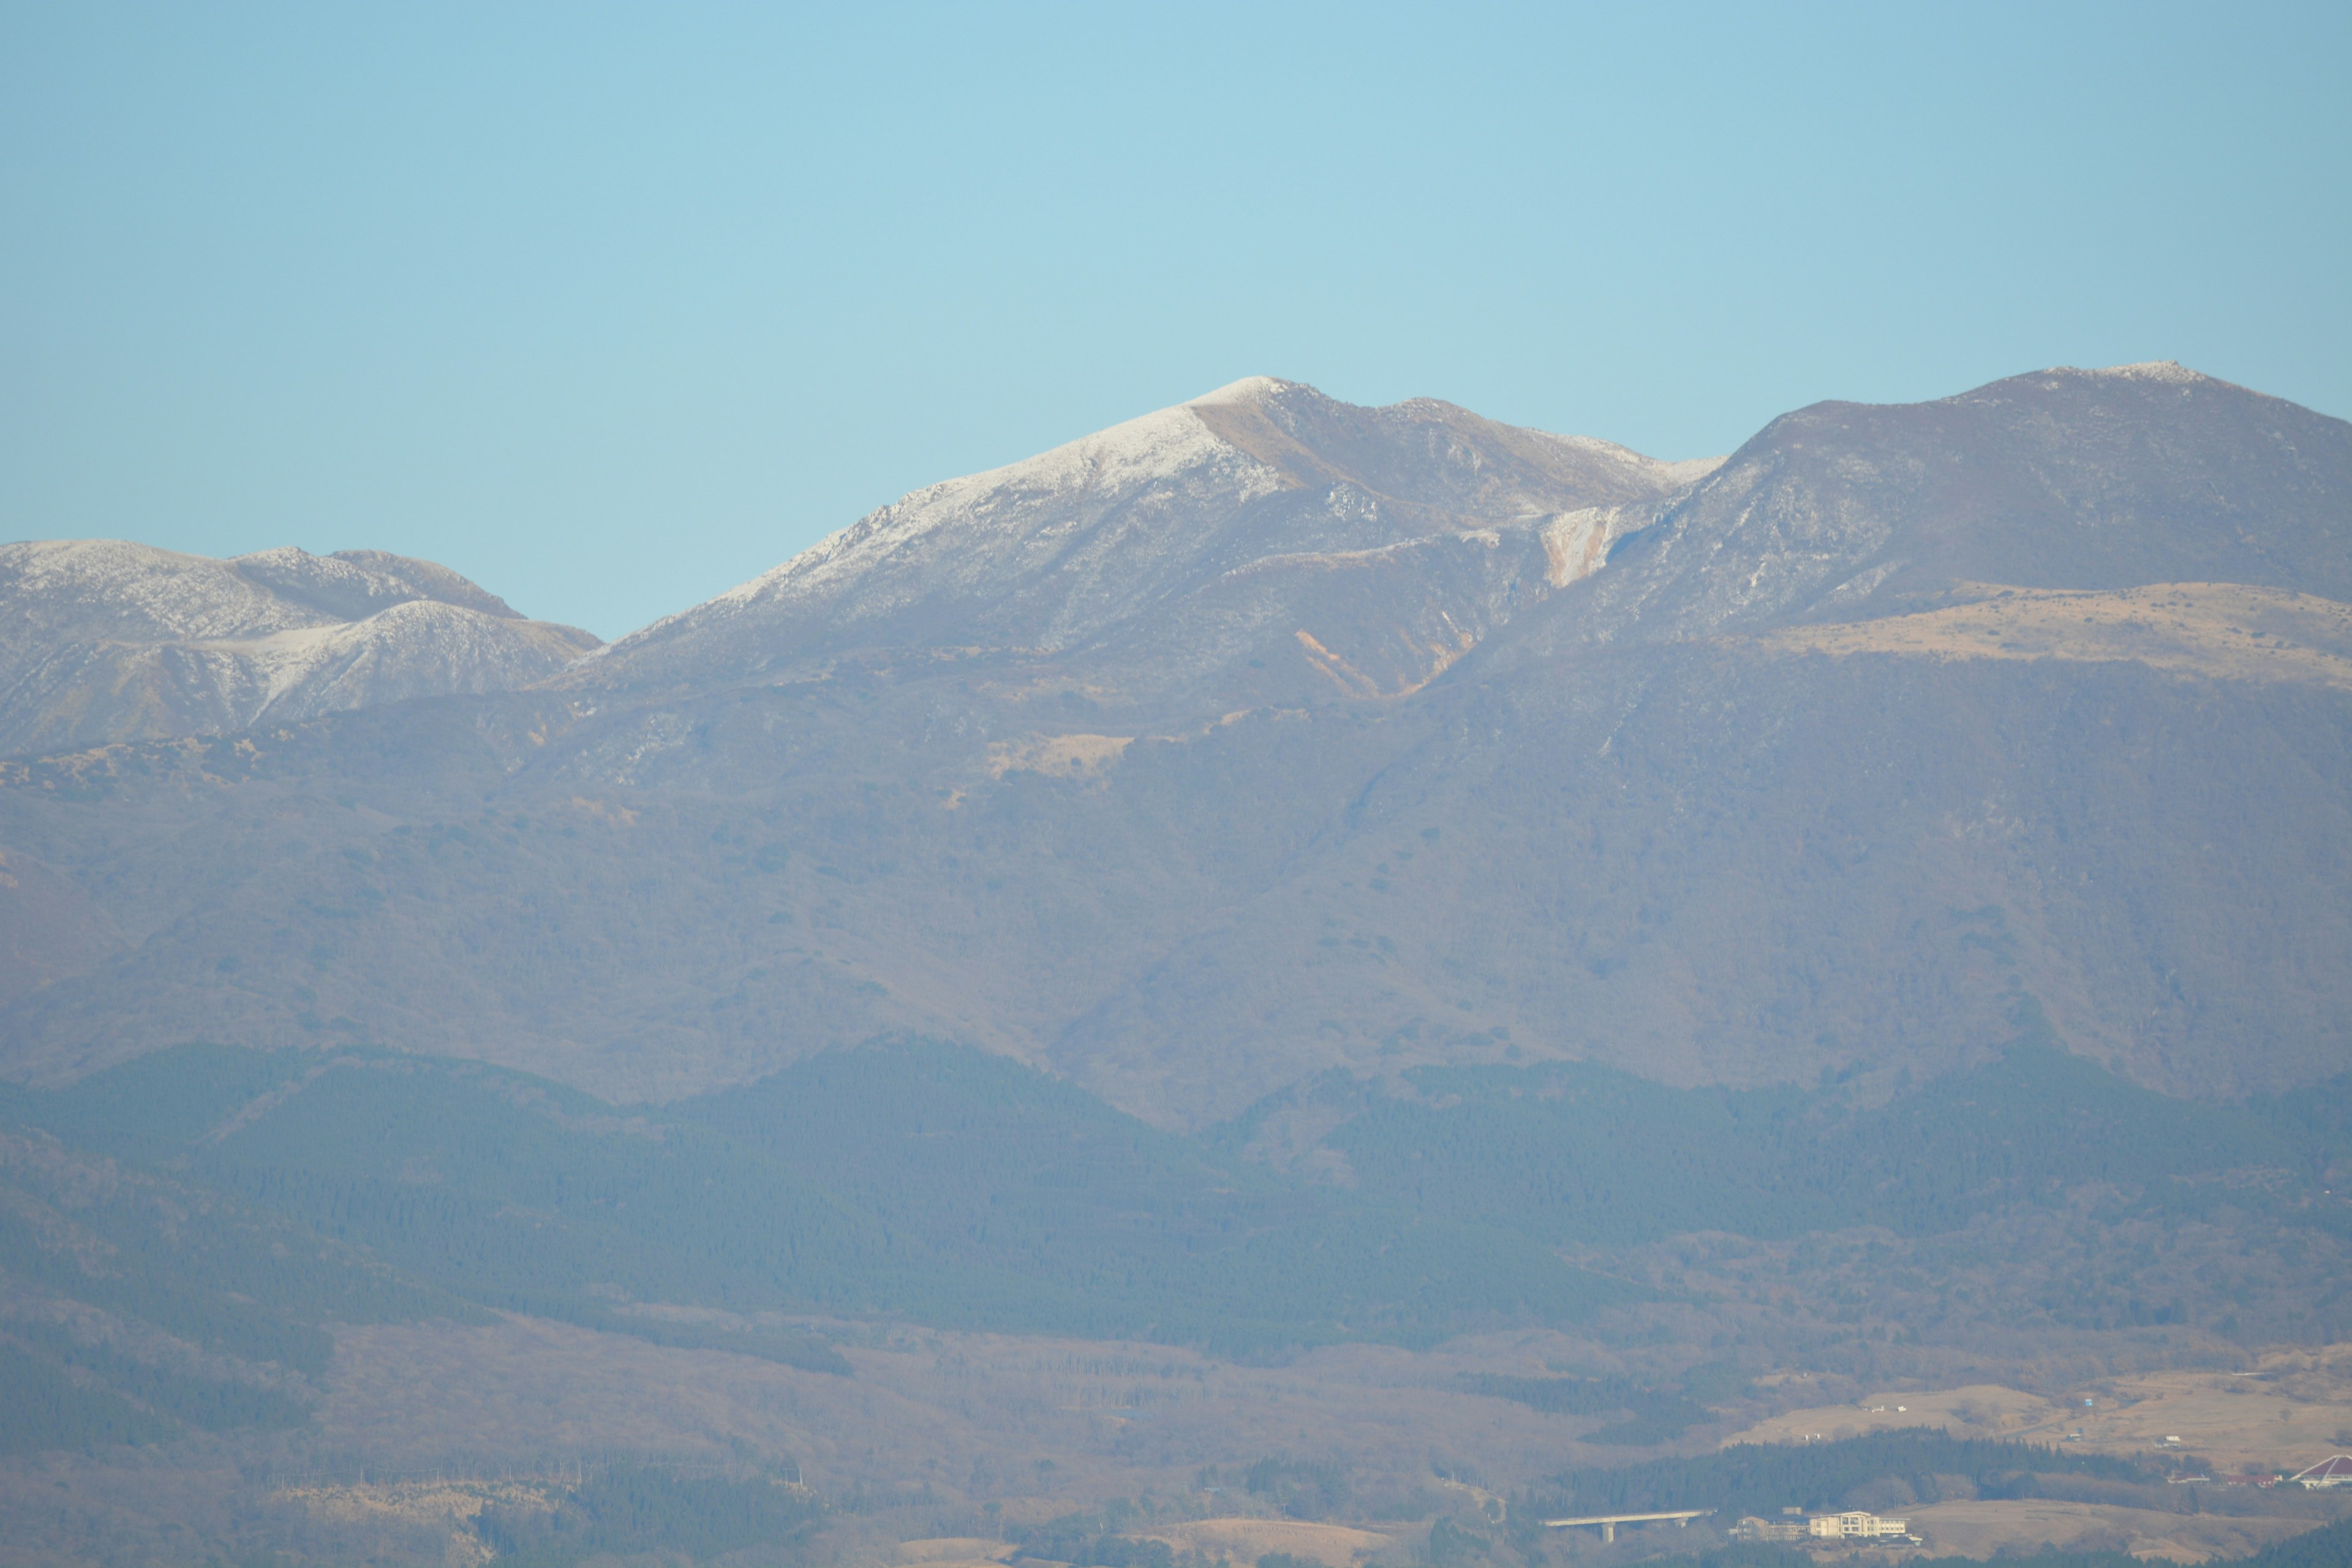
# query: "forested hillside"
926, 1182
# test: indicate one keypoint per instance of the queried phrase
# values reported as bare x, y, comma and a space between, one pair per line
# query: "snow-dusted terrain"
1184, 526
102, 640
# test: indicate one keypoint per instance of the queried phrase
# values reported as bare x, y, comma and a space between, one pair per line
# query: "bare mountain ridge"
1191, 515
2062, 478
1636, 783
1380, 546
102, 640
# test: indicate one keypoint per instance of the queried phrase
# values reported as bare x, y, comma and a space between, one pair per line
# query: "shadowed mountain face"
1266, 735
101, 640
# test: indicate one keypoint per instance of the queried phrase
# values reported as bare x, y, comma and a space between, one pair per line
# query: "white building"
1850, 1526
1854, 1526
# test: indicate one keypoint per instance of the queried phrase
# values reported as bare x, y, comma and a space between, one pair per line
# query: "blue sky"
610, 306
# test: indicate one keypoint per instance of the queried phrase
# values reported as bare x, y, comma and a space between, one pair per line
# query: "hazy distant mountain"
1176, 546
1265, 736
101, 640
2065, 479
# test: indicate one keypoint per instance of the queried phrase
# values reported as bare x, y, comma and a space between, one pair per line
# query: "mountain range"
1361, 955
1267, 735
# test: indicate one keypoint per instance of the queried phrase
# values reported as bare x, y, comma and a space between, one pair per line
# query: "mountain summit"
1207, 514
2094, 479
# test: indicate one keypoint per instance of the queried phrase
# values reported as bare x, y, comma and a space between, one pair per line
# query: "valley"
952, 1296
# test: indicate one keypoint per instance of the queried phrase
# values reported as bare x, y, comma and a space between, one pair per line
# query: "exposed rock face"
1265, 736
101, 640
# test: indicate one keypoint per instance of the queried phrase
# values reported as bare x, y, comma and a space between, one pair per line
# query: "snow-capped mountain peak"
1066, 547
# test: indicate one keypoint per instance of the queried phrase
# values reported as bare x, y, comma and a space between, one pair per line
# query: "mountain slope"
100, 640
2062, 478
1173, 762
1192, 514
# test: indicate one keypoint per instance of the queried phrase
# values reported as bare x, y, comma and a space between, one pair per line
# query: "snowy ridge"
1018, 520
2161, 370
85, 587
137, 591
1108, 464
309, 670
104, 640
1055, 550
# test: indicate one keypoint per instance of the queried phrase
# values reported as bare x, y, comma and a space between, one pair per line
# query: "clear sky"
610, 306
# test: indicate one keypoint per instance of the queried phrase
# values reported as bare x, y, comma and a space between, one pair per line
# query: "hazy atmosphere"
1075, 788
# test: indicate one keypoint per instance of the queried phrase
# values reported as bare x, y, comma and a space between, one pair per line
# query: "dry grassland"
1980, 1410
1057, 756
2218, 630
952, 1552
1247, 1540
2292, 1409
1981, 1529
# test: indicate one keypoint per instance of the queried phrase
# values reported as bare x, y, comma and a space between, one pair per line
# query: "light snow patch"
977, 516
2163, 370
1249, 389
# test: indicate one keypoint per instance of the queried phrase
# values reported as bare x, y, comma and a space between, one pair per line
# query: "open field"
1980, 1410
1981, 1529
952, 1551
1247, 1540
2292, 1409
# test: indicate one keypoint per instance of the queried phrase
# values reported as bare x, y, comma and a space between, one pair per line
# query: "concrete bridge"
1610, 1522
